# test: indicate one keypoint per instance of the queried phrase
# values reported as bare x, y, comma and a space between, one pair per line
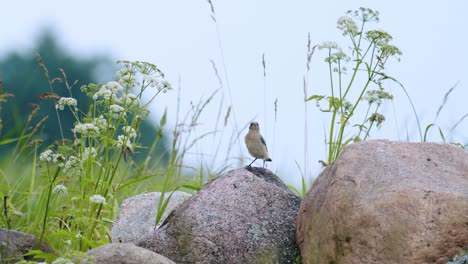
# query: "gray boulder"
14, 244
460, 259
126, 253
243, 216
138, 213
387, 202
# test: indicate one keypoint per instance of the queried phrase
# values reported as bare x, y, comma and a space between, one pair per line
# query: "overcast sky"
181, 38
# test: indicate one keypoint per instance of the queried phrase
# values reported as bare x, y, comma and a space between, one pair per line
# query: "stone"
14, 244
243, 216
126, 253
137, 215
460, 259
387, 202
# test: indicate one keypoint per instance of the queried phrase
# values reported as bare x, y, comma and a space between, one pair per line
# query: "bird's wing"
263, 141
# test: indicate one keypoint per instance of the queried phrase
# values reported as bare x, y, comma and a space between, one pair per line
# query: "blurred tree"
22, 76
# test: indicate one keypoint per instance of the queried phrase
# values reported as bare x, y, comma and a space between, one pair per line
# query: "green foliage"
369, 52
35, 90
72, 197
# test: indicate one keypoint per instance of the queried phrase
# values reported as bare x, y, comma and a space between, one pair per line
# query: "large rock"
137, 215
387, 202
126, 253
14, 244
244, 216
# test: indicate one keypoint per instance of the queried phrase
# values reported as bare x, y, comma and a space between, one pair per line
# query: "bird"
256, 145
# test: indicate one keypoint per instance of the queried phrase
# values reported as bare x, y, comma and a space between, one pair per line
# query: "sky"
181, 37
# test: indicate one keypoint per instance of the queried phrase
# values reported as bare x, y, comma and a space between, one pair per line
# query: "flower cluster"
377, 96
89, 152
109, 91
86, 129
129, 131
66, 101
365, 14
329, 45
49, 156
72, 166
98, 199
60, 189
347, 25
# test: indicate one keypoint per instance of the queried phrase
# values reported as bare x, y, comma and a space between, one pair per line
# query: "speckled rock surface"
387, 202
126, 253
14, 244
240, 217
138, 213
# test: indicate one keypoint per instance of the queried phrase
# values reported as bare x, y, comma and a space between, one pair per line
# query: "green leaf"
317, 97
11, 140
426, 131
163, 119
442, 135
127, 184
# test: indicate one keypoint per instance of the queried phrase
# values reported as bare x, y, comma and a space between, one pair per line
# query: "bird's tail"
267, 159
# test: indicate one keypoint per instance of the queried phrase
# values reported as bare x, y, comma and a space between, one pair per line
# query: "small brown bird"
256, 144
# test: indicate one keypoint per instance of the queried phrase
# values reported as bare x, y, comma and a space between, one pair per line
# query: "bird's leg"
250, 165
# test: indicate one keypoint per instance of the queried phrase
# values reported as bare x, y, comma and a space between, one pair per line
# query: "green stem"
44, 222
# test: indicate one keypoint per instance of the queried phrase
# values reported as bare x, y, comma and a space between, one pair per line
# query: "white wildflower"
128, 80
60, 189
72, 166
101, 122
79, 236
86, 129
126, 70
49, 156
129, 131
67, 242
98, 199
130, 100
164, 86
347, 25
109, 91
89, 152
64, 101
150, 80
116, 108
328, 45
379, 35
124, 141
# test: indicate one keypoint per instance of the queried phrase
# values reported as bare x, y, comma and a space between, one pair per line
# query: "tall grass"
69, 194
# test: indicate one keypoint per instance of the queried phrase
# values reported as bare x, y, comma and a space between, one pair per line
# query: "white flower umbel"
101, 123
60, 189
109, 91
130, 101
164, 86
129, 131
66, 101
49, 156
150, 80
124, 141
89, 152
72, 166
347, 25
97, 199
328, 45
86, 129
116, 108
